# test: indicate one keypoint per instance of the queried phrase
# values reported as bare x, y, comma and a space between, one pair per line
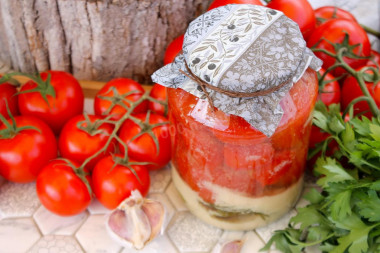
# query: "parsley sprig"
344, 212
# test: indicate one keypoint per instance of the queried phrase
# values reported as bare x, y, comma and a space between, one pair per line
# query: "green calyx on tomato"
125, 161
147, 128
43, 87
326, 13
113, 182
80, 172
118, 96
145, 137
24, 154
61, 190
91, 127
340, 42
67, 102
346, 49
117, 99
8, 78
12, 130
83, 136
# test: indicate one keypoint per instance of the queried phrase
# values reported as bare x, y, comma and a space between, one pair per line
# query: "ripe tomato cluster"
46, 137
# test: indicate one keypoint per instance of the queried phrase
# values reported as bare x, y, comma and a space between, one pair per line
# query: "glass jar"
230, 174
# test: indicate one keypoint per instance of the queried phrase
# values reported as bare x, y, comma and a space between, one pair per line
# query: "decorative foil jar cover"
243, 59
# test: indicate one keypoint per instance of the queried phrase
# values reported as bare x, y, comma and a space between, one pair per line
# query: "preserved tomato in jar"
232, 175
241, 96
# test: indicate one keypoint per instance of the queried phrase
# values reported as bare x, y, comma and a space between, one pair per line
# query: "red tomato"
78, 145
68, 101
158, 92
143, 148
334, 31
122, 86
351, 90
317, 136
173, 49
375, 59
300, 11
330, 94
26, 152
8, 96
218, 3
61, 190
114, 183
326, 13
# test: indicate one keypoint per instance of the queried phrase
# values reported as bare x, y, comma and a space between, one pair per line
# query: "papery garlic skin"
136, 221
232, 247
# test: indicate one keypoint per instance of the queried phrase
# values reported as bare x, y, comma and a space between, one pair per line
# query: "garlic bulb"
136, 221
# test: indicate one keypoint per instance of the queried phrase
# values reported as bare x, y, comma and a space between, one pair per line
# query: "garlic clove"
136, 221
232, 247
155, 211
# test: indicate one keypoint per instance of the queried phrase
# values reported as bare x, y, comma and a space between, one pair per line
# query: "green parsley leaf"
314, 196
331, 170
368, 204
356, 240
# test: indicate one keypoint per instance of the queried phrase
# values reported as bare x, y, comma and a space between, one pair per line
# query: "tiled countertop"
26, 226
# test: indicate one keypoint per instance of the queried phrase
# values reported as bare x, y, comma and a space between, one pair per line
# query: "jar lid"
242, 58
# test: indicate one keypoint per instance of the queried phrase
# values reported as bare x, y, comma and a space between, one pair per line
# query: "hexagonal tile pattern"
190, 234
176, 198
252, 243
93, 237
18, 235
159, 179
156, 246
57, 243
50, 223
18, 200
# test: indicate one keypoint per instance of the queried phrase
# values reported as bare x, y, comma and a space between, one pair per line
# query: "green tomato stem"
358, 75
370, 31
117, 125
353, 102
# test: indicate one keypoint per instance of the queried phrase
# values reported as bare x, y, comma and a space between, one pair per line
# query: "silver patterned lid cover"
242, 48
